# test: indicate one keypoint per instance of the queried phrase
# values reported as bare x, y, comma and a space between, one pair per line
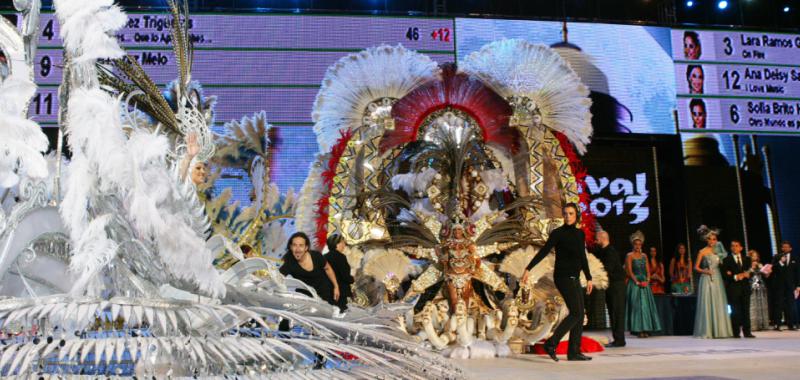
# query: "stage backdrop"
622, 183
628, 68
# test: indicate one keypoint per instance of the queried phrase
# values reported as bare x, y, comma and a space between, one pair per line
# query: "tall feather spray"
515, 67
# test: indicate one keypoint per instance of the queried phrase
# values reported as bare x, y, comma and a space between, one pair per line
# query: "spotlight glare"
689, 4
786, 9
722, 4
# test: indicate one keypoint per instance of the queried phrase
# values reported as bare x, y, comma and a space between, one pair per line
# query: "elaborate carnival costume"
142, 288
455, 168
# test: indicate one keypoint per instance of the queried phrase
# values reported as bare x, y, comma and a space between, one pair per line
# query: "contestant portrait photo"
691, 45
697, 109
694, 78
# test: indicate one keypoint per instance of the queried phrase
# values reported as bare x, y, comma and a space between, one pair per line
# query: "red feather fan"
587, 218
459, 91
321, 234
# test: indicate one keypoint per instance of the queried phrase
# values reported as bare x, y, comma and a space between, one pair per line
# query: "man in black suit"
786, 281
615, 294
736, 273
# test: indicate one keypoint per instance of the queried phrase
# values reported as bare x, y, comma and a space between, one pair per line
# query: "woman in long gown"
657, 278
711, 319
680, 271
759, 306
641, 315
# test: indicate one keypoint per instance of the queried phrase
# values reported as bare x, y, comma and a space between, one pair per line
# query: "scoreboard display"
737, 82
252, 62
648, 80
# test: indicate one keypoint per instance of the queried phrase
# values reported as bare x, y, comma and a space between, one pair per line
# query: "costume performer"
341, 268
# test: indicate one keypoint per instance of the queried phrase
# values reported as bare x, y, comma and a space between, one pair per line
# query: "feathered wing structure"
515, 263
459, 91
191, 339
391, 267
242, 141
515, 67
361, 78
110, 169
313, 190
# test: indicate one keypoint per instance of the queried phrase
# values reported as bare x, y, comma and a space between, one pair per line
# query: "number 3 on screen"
728, 46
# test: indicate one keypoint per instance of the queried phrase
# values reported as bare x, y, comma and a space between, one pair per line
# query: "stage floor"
772, 355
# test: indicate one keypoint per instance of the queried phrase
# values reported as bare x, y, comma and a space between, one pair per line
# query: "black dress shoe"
749, 336
736, 336
551, 351
579, 357
614, 344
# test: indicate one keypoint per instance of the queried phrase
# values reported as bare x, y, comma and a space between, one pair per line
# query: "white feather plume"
413, 182
360, 78
21, 140
93, 250
88, 27
494, 179
506, 163
599, 274
515, 67
133, 169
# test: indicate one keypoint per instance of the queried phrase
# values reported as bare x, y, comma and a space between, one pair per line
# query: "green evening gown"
641, 315
711, 319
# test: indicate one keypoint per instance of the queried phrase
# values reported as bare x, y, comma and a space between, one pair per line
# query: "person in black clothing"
736, 274
786, 283
568, 240
310, 267
615, 294
341, 268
